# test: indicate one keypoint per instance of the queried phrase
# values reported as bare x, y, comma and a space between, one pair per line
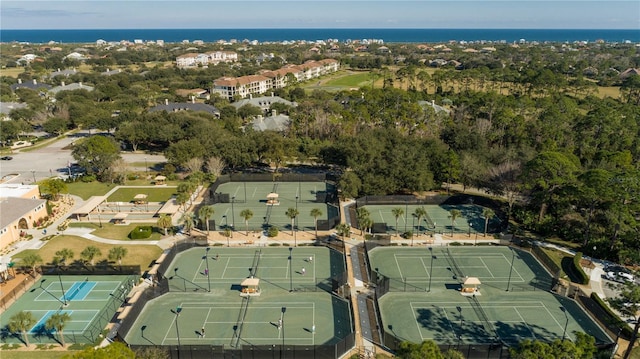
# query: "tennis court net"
430, 224
256, 262
482, 315
454, 265
235, 340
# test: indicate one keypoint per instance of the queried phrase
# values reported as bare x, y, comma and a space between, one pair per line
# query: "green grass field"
360, 79
136, 254
154, 194
113, 231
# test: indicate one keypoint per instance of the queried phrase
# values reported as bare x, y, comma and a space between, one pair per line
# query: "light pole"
290, 270
406, 213
476, 240
470, 229
177, 312
233, 215
284, 309
206, 258
64, 297
33, 173
566, 317
566, 322
296, 221
430, 268
513, 257
146, 166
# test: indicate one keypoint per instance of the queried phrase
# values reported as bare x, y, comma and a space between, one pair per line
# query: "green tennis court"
90, 301
294, 306
438, 218
303, 196
424, 289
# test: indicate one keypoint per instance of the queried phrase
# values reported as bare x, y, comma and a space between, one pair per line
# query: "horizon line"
332, 28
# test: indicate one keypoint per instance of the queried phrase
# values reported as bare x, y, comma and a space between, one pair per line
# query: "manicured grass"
557, 257
118, 232
158, 194
86, 190
136, 254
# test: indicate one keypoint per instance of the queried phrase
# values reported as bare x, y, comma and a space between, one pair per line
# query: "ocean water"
264, 35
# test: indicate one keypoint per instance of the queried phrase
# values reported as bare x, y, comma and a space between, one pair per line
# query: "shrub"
577, 269
141, 232
274, 244
407, 235
614, 319
272, 232
88, 178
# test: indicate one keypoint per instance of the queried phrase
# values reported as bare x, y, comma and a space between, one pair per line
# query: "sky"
230, 14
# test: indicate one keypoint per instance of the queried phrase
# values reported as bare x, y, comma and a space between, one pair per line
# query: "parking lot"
53, 160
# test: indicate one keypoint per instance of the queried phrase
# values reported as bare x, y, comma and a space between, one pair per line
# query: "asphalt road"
52, 160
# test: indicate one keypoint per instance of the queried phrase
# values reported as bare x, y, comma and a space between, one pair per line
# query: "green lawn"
86, 190
159, 194
113, 231
352, 80
136, 254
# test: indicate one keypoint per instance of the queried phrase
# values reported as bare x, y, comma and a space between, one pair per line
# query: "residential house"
70, 87
7, 107
186, 106
629, 72
32, 85
263, 102
65, 73
230, 87
274, 122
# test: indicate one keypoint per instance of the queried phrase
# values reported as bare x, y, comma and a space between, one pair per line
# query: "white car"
620, 276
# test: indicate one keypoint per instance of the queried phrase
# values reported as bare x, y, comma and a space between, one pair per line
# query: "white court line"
255, 189
225, 268
525, 323
555, 320
235, 194
398, 265
488, 270
424, 265
381, 216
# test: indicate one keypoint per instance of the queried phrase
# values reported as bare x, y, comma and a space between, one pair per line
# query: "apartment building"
230, 87
213, 57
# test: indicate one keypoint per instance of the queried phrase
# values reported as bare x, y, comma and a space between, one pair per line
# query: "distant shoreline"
315, 35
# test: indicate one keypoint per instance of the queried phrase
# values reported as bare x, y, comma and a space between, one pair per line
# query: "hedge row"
577, 269
614, 319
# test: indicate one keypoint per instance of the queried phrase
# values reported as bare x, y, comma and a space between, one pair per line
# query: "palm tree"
32, 260
90, 253
315, 213
397, 213
343, 229
188, 221
362, 215
420, 213
165, 222
366, 224
64, 254
58, 321
204, 213
117, 253
292, 213
20, 323
487, 213
246, 214
453, 214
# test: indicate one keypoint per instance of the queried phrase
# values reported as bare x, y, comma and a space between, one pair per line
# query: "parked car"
620, 276
6, 158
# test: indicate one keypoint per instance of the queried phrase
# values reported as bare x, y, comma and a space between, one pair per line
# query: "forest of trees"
527, 124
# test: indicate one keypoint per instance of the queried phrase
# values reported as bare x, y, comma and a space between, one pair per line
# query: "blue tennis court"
80, 290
